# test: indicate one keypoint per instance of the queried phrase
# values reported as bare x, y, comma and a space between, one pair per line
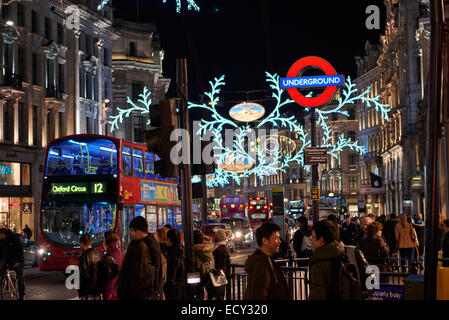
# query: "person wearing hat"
222, 259
139, 231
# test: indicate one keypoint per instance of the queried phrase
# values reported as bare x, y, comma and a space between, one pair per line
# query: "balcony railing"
55, 92
12, 80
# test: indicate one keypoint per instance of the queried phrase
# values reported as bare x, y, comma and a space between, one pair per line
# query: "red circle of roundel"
299, 66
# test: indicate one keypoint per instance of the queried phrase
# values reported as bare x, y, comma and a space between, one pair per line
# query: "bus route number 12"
98, 188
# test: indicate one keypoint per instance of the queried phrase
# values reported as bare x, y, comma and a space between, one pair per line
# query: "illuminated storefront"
16, 202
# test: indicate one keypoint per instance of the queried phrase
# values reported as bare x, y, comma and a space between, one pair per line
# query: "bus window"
158, 176
82, 156
138, 163
152, 218
64, 224
149, 166
140, 210
127, 163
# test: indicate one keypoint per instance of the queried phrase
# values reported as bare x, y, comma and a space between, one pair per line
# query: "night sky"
244, 38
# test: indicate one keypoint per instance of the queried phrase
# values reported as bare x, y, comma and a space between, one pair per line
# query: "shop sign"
27, 208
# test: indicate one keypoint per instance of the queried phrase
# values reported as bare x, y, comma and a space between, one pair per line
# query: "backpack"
357, 258
108, 268
347, 283
306, 245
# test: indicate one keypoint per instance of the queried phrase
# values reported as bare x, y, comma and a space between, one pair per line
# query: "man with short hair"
266, 281
91, 285
366, 221
325, 250
11, 254
348, 232
139, 231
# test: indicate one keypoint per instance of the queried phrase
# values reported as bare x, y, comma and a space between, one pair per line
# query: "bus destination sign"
78, 188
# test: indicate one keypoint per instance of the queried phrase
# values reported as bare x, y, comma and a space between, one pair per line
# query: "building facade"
338, 179
401, 87
371, 195
51, 85
137, 59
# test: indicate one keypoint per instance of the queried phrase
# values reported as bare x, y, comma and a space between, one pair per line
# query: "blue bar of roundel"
312, 82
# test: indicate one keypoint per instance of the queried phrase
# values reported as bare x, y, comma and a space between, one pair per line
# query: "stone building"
137, 59
54, 82
338, 179
402, 72
371, 196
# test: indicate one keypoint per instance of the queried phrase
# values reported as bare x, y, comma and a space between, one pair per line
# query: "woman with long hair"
135, 278
406, 239
111, 245
162, 239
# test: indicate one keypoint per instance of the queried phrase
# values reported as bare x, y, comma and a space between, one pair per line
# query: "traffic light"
343, 210
164, 118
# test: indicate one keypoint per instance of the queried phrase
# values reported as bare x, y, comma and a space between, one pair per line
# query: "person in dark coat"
91, 286
374, 247
139, 231
135, 280
27, 231
420, 229
222, 259
348, 232
11, 254
325, 250
303, 231
266, 281
389, 233
176, 277
446, 242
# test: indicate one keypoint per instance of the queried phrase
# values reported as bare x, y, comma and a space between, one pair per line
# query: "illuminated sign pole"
330, 81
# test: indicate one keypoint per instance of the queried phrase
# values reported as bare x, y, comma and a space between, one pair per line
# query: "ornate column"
100, 120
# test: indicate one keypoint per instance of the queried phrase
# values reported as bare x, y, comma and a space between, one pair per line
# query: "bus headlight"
44, 253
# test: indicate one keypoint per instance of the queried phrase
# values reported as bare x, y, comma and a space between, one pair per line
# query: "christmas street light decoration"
191, 5
239, 160
266, 166
145, 100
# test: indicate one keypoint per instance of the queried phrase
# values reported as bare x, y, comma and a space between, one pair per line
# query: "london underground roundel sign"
293, 81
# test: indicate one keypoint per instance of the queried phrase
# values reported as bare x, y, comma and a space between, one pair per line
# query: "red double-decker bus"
232, 207
258, 210
93, 184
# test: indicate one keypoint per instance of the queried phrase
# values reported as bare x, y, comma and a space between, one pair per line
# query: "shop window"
138, 163
26, 174
9, 173
127, 162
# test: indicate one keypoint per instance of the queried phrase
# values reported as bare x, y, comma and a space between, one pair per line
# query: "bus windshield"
64, 224
82, 156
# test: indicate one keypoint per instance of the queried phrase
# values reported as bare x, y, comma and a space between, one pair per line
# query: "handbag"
218, 277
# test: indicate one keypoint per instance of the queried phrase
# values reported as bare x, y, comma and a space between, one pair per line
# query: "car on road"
243, 235
210, 229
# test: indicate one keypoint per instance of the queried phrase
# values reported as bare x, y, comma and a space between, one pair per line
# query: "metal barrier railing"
297, 274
